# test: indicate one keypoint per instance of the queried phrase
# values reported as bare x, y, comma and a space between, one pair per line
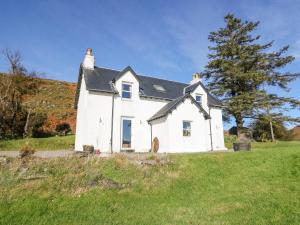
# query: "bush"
261, 129
63, 129
26, 151
37, 123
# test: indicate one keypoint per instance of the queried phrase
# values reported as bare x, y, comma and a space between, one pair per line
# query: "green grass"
49, 143
257, 187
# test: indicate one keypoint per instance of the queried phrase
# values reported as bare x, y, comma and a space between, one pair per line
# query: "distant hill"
56, 99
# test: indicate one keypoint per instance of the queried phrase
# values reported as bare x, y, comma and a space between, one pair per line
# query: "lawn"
49, 143
257, 187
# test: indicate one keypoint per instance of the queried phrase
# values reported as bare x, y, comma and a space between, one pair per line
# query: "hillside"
233, 188
55, 99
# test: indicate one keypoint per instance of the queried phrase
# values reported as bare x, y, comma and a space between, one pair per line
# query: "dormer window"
159, 88
199, 99
126, 90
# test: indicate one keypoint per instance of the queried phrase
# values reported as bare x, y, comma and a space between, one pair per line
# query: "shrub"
63, 129
261, 129
37, 123
26, 151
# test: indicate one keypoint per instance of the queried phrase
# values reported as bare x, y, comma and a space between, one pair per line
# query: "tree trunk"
272, 132
271, 124
239, 125
27, 124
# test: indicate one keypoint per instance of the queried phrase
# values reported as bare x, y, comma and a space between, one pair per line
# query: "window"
126, 90
126, 136
199, 99
159, 88
186, 125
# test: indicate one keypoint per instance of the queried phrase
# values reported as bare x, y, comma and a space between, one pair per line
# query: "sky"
165, 38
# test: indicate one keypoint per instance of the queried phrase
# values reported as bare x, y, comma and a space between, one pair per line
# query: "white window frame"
121, 136
201, 96
130, 91
183, 129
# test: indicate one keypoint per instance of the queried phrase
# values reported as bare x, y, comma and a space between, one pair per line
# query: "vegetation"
241, 69
17, 83
31, 106
63, 129
49, 143
296, 133
261, 129
257, 187
26, 151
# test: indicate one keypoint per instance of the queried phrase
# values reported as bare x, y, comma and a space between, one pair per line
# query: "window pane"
126, 87
126, 137
126, 94
186, 128
186, 125
198, 99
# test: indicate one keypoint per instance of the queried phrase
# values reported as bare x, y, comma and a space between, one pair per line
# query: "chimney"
196, 78
88, 61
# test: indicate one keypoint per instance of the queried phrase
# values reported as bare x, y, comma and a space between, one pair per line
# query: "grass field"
49, 143
257, 187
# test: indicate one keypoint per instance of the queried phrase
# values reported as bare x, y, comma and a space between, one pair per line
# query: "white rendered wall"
217, 129
139, 110
160, 129
199, 139
200, 91
216, 120
81, 118
93, 119
93, 126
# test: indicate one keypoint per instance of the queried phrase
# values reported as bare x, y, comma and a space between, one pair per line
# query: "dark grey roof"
100, 79
168, 108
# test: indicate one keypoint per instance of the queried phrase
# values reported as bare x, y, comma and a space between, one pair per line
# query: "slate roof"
100, 79
212, 101
168, 108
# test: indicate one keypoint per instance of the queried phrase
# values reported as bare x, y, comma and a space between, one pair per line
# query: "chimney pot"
195, 78
89, 60
89, 51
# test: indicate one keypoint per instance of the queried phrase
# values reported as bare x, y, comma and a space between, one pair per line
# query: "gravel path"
41, 154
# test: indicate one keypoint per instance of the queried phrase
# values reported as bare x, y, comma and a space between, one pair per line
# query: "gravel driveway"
41, 154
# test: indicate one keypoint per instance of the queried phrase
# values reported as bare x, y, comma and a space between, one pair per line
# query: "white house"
122, 111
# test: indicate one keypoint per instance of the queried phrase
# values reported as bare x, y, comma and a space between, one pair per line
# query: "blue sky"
167, 39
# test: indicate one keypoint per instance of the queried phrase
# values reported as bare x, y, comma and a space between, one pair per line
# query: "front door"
126, 133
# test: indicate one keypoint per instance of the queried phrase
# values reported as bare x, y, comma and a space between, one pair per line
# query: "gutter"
112, 121
211, 140
151, 137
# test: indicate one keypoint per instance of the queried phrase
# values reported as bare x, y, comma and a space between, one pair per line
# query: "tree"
240, 71
261, 131
12, 113
14, 86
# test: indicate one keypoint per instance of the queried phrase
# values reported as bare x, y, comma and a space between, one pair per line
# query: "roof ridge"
142, 75
106, 68
162, 79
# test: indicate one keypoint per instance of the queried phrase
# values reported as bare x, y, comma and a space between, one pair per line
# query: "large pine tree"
241, 69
